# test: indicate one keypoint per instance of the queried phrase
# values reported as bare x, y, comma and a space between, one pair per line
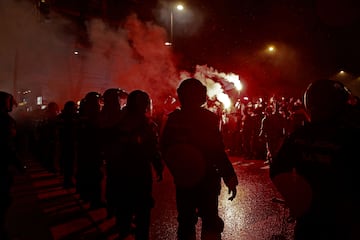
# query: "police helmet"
112, 95
90, 103
138, 102
92, 96
6, 102
53, 107
325, 98
191, 93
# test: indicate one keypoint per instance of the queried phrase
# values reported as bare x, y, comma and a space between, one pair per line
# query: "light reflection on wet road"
252, 215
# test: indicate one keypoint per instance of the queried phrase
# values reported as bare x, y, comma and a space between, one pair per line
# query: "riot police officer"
89, 173
110, 116
8, 156
316, 169
129, 170
195, 154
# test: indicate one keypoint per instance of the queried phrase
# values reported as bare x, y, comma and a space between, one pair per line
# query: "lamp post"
171, 26
178, 7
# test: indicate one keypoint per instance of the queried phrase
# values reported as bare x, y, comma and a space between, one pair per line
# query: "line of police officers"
127, 139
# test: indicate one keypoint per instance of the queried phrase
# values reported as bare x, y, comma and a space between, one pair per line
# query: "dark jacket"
326, 156
193, 147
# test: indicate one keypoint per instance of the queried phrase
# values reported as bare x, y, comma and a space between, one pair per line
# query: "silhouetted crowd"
258, 127
114, 136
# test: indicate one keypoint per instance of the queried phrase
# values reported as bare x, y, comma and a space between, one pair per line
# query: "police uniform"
324, 157
194, 152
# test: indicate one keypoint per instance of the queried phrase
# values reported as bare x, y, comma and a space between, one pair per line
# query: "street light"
178, 7
271, 48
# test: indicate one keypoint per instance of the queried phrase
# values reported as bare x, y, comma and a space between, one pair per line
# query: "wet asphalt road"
252, 215
43, 210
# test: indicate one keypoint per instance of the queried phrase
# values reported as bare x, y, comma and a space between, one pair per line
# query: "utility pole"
15, 94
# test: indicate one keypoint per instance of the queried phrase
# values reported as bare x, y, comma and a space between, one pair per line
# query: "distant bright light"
76, 52
168, 43
39, 100
342, 72
271, 48
180, 7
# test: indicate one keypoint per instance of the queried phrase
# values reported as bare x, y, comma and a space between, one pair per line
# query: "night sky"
324, 33
312, 39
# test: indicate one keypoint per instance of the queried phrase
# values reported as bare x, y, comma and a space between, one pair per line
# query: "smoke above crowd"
43, 56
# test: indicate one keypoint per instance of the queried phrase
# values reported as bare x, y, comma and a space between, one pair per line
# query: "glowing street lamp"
271, 49
342, 75
178, 7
